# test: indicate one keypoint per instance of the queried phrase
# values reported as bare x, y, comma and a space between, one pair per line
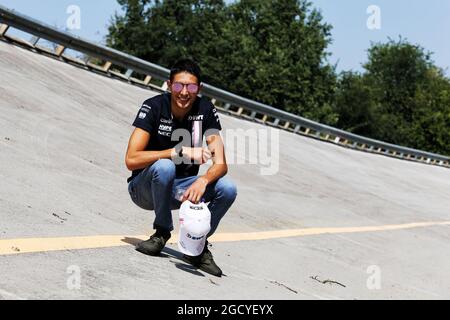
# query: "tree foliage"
272, 51
402, 98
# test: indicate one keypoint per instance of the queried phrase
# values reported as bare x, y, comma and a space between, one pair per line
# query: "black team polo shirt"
155, 117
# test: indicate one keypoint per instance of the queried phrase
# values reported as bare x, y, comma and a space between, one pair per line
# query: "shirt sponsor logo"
165, 134
196, 118
146, 108
164, 127
142, 115
143, 112
165, 130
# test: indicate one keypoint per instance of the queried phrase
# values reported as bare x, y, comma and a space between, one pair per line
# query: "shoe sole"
200, 268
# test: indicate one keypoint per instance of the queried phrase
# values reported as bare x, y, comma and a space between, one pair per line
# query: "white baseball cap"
195, 224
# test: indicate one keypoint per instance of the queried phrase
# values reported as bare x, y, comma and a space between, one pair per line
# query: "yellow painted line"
33, 245
225, 237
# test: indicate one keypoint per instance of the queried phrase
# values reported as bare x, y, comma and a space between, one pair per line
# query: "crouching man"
161, 164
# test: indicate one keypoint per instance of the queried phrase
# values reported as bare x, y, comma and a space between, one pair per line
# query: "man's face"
184, 88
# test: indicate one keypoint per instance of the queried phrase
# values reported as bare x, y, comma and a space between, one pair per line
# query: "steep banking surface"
63, 137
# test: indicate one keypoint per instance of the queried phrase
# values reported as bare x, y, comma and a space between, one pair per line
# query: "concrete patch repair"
34, 245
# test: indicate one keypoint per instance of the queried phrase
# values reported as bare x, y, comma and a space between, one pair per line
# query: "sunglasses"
177, 87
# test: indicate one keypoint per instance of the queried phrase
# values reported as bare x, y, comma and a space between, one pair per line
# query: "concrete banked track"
374, 226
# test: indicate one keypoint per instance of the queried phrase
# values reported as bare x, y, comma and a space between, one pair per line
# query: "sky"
356, 24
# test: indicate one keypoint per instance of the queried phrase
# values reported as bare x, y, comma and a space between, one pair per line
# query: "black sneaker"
204, 262
155, 244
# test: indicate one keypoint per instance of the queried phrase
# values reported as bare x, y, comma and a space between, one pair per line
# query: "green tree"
163, 31
402, 98
278, 54
275, 52
355, 104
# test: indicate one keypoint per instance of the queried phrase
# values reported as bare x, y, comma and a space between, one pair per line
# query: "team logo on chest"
165, 129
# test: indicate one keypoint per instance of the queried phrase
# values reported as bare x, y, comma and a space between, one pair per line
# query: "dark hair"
186, 65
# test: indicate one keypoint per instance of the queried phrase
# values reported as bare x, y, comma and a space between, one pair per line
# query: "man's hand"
198, 155
196, 191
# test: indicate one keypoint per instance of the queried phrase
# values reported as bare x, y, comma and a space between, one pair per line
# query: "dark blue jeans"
154, 189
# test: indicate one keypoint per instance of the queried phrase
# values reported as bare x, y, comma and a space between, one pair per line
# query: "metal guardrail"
224, 101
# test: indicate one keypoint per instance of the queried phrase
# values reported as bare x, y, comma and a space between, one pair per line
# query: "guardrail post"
253, 115
59, 50
240, 110
286, 125
227, 106
276, 122
297, 128
3, 29
147, 80
107, 66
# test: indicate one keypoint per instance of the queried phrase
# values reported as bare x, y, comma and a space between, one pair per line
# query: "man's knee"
163, 169
227, 189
